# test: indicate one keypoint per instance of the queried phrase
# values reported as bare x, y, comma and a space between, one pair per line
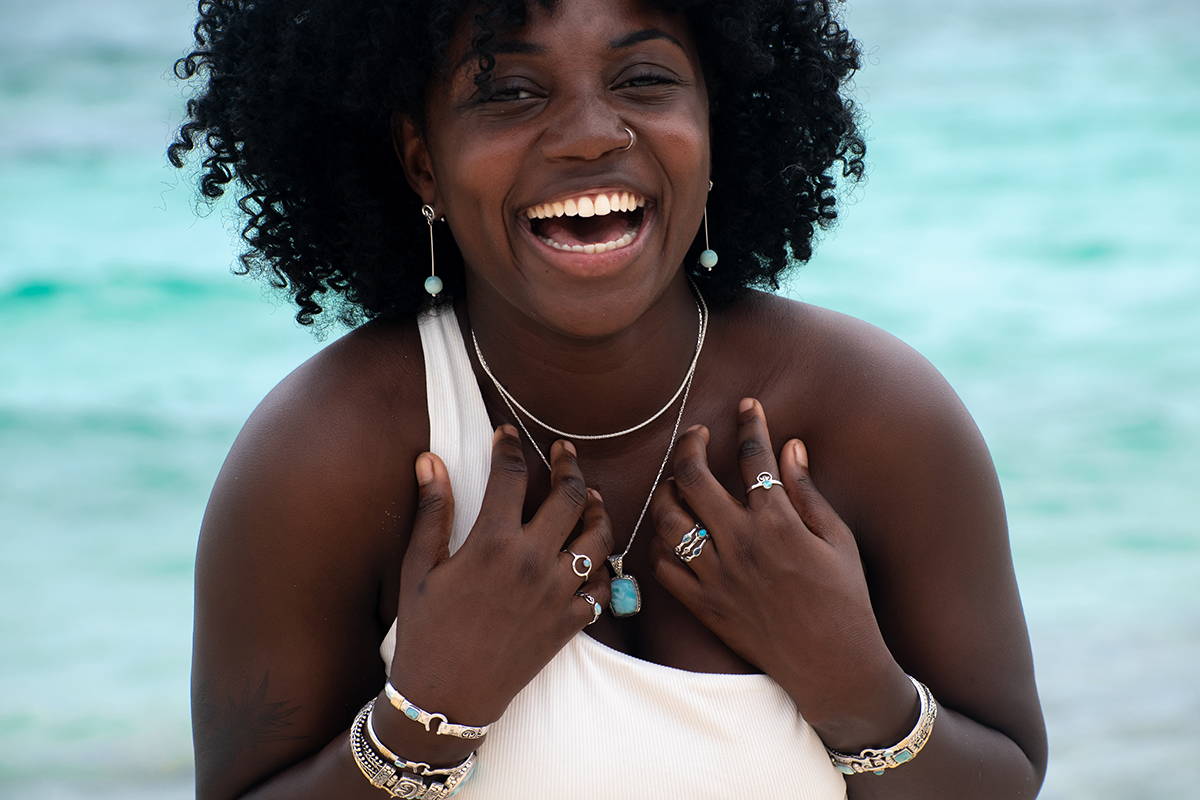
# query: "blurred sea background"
1031, 224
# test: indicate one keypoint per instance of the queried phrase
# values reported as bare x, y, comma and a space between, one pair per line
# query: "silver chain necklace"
701, 312
626, 595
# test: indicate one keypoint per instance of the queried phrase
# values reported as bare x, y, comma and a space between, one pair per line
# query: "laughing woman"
576, 511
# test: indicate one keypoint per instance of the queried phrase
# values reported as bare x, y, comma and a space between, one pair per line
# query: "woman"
750, 633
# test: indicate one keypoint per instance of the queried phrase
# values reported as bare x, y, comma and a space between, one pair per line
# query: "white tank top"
596, 723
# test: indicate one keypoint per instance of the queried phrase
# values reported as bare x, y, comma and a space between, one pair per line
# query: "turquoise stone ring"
765, 481
581, 565
692, 543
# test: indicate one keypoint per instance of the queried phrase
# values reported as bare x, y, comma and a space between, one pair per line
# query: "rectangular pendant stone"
626, 598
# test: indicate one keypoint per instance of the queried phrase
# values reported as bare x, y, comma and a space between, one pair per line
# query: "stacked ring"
692, 543
586, 562
597, 609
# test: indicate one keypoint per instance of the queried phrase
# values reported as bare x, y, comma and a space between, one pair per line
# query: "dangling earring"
708, 257
433, 284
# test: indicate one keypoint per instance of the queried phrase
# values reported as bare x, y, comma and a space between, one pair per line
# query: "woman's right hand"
474, 628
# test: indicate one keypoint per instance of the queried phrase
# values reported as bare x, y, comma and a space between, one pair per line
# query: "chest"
664, 632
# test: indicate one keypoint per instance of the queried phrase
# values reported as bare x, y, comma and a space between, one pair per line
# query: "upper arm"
295, 541
925, 504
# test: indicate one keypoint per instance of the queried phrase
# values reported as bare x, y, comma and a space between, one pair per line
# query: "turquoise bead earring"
708, 257
433, 284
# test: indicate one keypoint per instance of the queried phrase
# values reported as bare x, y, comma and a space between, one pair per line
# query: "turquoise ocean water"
1031, 224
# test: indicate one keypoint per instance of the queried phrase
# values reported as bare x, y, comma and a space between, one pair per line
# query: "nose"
585, 129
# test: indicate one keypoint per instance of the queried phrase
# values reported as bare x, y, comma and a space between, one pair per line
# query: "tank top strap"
460, 432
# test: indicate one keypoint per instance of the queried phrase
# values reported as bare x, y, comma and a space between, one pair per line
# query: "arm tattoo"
226, 727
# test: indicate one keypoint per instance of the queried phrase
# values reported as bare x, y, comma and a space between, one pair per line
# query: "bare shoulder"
326, 439
871, 408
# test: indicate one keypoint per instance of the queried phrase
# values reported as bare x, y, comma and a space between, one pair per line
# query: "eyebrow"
643, 36
515, 46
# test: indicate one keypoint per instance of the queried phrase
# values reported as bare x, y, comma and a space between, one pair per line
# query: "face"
556, 216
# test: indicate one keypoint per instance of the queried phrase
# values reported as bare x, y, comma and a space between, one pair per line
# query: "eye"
509, 93
647, 79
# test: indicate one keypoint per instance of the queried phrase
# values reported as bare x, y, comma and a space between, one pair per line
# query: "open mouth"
589, 223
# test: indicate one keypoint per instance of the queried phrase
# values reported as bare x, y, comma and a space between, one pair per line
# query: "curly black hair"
298, 97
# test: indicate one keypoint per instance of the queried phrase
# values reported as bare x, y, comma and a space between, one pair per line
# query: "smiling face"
554, 213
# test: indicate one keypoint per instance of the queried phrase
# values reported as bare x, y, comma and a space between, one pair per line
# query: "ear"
409, 144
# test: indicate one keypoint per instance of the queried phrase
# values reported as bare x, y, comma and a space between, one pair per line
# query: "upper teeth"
590, 205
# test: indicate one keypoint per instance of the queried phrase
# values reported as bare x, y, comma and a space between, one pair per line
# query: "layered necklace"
626, 596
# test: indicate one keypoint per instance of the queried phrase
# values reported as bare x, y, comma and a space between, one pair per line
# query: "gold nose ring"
632, 140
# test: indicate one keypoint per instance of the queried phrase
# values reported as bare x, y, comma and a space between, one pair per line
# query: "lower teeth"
603, 247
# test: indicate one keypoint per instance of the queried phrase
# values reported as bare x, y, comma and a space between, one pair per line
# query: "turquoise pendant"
626, 598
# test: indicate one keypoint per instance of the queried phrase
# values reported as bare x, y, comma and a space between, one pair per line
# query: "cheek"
473, 179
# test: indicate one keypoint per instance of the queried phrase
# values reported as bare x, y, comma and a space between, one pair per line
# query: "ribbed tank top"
596, 723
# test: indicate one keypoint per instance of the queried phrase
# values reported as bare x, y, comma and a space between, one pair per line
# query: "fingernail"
746, 404
424, 469
596, 495
503, 431
570, 448
800, 453
695, 427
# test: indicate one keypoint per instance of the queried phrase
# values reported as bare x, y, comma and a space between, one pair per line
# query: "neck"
599, 372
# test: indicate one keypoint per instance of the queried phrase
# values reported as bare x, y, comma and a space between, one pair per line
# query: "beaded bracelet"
878, 760
391, 776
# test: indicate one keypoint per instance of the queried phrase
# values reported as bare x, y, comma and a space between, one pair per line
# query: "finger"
587, 552
429, 542
583, 611
814, 510
756, 457
561, 509
676, 577
681, 534
697, 487
504, 496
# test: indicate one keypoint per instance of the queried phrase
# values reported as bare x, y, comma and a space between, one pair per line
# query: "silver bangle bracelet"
418, 714
878, 760
393, 777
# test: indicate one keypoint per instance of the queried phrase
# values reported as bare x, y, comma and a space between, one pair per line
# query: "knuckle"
432, 504
572, 487
661, 515
511, 463
528, 565
688, 473
751, 448
746, 553
604, 530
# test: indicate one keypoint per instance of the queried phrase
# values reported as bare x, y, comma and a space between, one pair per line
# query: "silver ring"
765, 481
587, 565
597, 609
632, 140
691, 544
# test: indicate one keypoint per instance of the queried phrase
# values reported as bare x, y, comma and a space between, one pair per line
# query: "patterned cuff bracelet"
392, 776
905, 750
417, 714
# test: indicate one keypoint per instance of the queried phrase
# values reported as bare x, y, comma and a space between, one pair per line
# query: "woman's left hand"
780, 580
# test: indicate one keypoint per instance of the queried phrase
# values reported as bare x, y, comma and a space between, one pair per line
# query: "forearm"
961, 759
334, 772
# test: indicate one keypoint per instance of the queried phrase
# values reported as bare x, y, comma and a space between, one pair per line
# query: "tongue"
583, 230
